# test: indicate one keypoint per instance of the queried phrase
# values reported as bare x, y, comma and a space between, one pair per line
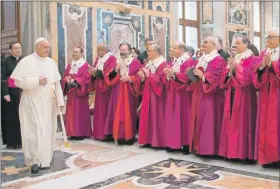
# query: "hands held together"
169, 72
92, 71
266, 61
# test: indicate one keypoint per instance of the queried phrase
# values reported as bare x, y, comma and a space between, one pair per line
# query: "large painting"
233, 34
74, 29
114, 28
237, 13
160, 33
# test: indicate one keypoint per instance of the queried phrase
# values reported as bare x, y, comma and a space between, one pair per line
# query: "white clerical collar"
41, 58
183, 58
127, 61
101, 61
274, 53
206, 58
243, 55
154, 64
16, 57
76, 64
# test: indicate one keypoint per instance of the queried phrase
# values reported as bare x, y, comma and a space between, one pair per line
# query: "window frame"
190, 23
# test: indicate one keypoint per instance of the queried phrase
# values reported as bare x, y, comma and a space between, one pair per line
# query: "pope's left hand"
198, 73
125, 79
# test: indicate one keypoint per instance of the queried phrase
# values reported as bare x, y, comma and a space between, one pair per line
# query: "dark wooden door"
10, 24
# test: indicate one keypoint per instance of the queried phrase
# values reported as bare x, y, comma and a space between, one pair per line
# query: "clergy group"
215, 105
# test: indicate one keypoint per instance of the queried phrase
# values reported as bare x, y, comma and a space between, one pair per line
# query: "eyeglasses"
271, 37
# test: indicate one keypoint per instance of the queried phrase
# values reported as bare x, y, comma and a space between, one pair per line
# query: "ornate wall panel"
74, 29
114, 28
159, 30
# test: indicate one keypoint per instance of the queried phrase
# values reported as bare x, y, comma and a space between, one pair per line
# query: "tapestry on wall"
114, 28
74, 29
159, 29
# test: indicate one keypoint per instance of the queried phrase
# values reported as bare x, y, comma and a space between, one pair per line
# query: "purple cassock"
207, 107
178, 107
151, 129
100, 84
239, 120
77, 109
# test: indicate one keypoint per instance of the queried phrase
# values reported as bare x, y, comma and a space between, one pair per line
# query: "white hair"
157, 48
274, 30
181, 45
214, 40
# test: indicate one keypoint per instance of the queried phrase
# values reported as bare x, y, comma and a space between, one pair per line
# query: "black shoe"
80, 138
274, 165
169, 150
185, 150
34, 169
130, 142
249, 162
45, 168
146, 146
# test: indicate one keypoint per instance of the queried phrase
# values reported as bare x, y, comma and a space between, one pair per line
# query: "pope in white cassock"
38, 76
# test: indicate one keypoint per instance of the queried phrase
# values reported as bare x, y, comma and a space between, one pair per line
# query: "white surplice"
38, 107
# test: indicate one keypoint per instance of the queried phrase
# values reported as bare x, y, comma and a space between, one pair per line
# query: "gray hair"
182, 45
190, 49
214, 40
274, 30
105, 46
219, 40
157, 48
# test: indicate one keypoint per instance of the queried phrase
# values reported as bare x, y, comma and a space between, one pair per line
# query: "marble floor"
92, 164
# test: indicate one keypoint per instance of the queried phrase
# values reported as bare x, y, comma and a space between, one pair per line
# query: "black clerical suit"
11, 133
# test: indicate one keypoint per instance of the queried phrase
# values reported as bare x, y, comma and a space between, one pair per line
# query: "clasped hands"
169, 72
266, 61
144, 73
231, 64
92, 70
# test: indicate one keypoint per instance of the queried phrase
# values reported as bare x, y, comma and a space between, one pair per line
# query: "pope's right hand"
7, 98
43, 80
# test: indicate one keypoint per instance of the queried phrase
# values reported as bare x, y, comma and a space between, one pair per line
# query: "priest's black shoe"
167, 149
45, 168
35, 169
185, 150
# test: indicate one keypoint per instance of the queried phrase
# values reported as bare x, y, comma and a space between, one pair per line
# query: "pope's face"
43, 49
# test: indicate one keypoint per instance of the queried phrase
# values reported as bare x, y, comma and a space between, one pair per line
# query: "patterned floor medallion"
179, 174
79, 157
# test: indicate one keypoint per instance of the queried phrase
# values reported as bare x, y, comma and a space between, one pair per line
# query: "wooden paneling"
10, 27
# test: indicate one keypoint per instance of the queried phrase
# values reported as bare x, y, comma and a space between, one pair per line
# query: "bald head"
42, 47
179, 49
102, 49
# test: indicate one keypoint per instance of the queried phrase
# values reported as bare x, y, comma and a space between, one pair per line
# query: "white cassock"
38, 107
